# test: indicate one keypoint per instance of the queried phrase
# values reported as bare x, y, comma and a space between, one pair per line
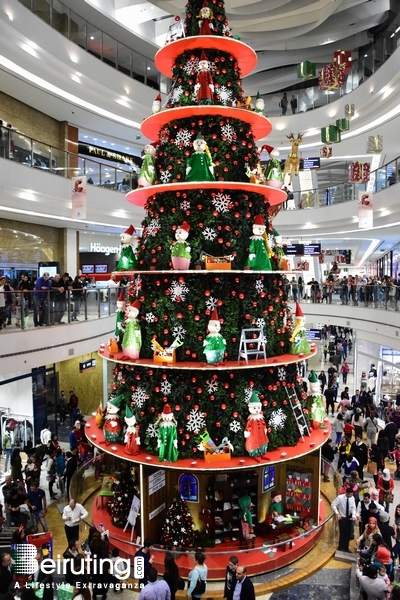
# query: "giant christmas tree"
218, 213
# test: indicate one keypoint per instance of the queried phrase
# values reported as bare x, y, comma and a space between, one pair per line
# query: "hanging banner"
78, 197
365, 210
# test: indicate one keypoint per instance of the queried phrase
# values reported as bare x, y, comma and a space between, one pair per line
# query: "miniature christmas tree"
178, 529
177, 305
124, 489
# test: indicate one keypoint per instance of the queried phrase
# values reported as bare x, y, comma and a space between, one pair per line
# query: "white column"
71, 252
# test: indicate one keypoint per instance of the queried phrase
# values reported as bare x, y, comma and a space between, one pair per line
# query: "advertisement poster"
78, 197
365, 210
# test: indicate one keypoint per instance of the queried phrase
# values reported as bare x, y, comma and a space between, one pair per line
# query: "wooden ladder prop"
298, 413
259, 342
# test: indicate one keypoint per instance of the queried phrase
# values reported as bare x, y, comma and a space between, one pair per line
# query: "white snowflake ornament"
152, 430
222, 202
228, 132
166, 387
211, 303
209, 234
225, 95
196, 421
281, 373
150, 317
259, 285
152, 228
165, 176
260, 323
164, 135
179, 332
277, 419
247, 394
212, 386
235, 426
185, 205
183, 138
178, 290
139, 397
176, 93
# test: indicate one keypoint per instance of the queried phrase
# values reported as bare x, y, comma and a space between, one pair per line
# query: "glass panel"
94, 40
60, 17
40, 155
20, 147
380, 179
391, 173
108, 179
77, 30
41, 8
138, 66
124, 59
27, 4
92, 171
59, 162
109, 50
123, 181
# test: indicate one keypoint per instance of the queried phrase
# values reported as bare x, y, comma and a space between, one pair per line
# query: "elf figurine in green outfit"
128, 260
167, 436
180, 250
299, 343
119, 325
200, 166
132, 340
147, 172
214, 344
317, 410
258, 259
273, 172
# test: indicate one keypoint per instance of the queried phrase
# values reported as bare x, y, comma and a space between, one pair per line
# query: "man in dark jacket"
329, 394
244, 588
230, 577
6, 576
360, 452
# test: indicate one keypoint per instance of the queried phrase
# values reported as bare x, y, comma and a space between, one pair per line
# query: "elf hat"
136, 304
258, 96
254, 397
275, 494
117, 400
158, 98
185, 225
121, 297
299, 312
128, 412
269, 149
199, 136
131, 230
205, 4
214, 316
203, 54
166, 410
259, 220
312, 378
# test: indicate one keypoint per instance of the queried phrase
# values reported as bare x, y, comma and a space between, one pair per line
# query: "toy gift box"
306, 70
330, 135
218, 263
164, 358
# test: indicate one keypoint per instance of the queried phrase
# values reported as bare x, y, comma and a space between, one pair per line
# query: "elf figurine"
317, 411
258, 259
147, 172
246, 519
283, 263
200, 166
112, 427
128, 260
204, 86
132, 340
180, 250
206, 27
299, 343
256, 430
167, 436
273, 172
132, 439
156, 104
260, 104
214, 344
119, 326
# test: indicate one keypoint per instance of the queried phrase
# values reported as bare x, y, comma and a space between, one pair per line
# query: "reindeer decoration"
292, 162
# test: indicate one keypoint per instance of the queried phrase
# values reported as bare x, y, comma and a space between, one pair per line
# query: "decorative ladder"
259, 342
298, 412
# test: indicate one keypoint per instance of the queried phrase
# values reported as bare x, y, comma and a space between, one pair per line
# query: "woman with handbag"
376, 463
385, 485
197, 577
371, 428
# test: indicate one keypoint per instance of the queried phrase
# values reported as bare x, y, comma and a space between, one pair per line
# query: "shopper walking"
344, 507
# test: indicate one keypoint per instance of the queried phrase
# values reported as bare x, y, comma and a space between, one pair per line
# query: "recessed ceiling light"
365, 55
92, 37
148, 68
127, 148
95, 139
104, 142
85, 136
113, 144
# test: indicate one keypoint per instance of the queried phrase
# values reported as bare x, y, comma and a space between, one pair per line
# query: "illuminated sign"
120, 157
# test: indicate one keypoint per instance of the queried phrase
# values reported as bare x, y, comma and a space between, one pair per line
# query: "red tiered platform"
166, 56
140, 196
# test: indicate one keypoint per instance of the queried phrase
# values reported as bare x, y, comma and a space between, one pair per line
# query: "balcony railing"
32, 153
98, 43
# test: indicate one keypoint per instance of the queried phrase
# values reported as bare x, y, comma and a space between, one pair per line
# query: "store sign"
98, 152
314, 335
106, 250
156, 482
87, 364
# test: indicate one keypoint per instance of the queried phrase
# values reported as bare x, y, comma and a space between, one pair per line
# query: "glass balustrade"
98, 43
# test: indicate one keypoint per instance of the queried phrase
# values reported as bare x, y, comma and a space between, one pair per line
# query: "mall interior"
79, 86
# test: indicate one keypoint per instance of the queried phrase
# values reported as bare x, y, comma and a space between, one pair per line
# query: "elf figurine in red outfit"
112, 427
206, 27
204, 87
132, 439
256, 430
